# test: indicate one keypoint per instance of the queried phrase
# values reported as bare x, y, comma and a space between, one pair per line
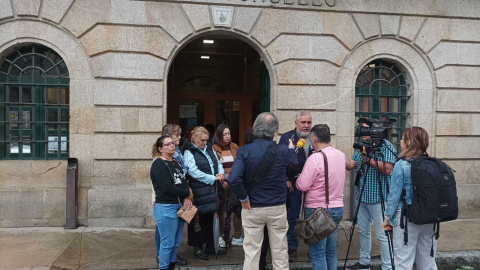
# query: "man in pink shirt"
312, 181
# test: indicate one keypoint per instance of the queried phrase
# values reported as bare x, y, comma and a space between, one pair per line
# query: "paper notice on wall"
53, 144
26, 117
191, 122
13, 116
188, 111
236, 106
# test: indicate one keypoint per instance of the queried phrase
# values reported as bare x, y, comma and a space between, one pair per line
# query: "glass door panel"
228, 112
192, 113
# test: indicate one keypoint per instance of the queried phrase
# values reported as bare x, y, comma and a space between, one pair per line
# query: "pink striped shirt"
312, 179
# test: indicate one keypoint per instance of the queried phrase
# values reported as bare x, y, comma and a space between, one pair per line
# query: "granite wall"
118, 53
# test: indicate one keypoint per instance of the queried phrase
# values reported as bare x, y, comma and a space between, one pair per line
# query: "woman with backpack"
422, 244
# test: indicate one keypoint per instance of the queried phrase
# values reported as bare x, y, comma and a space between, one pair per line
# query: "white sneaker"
221, 242
237, 241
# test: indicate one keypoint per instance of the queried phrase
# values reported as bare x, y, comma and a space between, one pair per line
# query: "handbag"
320, 224
187, 214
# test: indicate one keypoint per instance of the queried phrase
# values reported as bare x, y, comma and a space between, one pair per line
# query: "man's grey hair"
265, 126
300, 114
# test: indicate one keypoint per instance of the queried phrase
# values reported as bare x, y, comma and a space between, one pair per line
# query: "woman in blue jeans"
312, 181
174, 132
171, 189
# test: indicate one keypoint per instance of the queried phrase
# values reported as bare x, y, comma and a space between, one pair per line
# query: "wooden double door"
200, 109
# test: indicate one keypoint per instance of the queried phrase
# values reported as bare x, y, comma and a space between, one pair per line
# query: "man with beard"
303, 124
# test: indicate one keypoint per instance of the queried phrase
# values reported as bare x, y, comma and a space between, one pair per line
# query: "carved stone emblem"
222, 16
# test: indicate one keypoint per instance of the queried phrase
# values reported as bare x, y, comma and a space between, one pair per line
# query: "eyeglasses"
169, 143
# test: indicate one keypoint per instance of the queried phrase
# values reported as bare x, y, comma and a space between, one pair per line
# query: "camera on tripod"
377, 130
371, 169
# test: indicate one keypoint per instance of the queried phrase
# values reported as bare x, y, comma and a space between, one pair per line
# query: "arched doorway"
217, 79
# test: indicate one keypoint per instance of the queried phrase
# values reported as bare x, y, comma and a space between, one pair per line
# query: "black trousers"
205, 235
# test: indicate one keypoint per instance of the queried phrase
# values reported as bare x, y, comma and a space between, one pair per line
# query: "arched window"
381, 93
34, 104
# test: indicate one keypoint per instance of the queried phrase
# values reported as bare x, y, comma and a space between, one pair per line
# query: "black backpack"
434, 195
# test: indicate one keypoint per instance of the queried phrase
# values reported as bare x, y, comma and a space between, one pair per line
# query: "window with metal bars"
34, 104
381, 93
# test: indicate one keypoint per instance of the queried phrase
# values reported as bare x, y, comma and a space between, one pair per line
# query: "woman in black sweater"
171, 189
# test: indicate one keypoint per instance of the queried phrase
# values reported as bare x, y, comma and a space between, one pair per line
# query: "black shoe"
359, 266
199, 253
181, 261
158, 262
171, 266
212, 252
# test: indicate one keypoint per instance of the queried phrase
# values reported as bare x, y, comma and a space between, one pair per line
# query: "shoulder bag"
264, 168
320, 224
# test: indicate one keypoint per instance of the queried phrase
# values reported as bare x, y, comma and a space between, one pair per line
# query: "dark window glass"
381, 93
34, 104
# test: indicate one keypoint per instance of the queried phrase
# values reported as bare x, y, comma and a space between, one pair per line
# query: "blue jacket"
294, 169
401, 180
273, 190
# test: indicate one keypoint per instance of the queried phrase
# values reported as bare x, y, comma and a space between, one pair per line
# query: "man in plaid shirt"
370, 207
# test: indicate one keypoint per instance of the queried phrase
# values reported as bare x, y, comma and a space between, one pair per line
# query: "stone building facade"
119, 54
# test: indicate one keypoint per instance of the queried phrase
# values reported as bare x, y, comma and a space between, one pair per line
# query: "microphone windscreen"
301, 143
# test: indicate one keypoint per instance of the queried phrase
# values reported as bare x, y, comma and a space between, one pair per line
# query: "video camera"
377, 130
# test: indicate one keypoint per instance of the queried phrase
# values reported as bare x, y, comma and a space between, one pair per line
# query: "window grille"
381, 93
34, 104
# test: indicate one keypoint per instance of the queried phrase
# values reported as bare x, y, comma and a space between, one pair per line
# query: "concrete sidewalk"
123, 248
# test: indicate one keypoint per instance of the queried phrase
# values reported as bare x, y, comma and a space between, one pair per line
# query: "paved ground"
121, 248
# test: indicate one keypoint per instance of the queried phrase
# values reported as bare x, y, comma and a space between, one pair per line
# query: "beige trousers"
275, 218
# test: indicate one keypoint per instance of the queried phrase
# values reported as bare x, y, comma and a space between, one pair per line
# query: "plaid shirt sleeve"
371, 193
389, 156
356, 156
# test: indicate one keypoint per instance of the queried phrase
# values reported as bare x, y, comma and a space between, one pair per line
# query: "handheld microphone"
300, 145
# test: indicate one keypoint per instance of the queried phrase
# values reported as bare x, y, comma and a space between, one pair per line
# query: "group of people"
198, 176
223, 179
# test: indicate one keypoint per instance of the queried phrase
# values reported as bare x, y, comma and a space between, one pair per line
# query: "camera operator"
370, 209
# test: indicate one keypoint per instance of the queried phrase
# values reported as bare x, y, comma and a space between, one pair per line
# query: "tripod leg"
354, 221
382, 204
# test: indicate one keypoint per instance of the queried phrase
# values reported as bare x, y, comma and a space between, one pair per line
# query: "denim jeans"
157, 239
324, 253
292, 215
367, 213
170, 230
